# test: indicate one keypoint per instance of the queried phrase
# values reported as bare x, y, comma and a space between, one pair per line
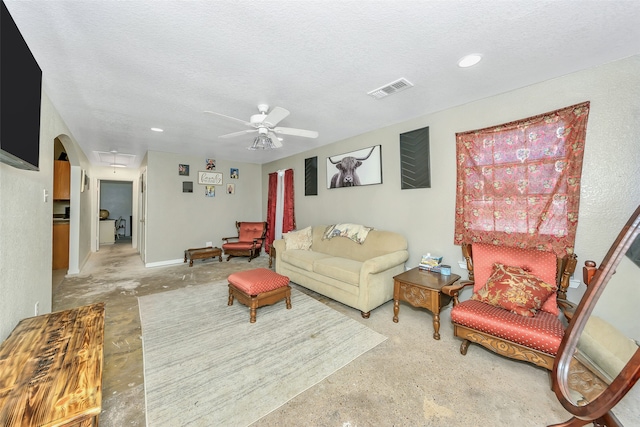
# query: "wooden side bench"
202, 253
52, 369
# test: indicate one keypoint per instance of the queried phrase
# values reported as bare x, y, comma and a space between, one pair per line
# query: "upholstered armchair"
248, 242
514, 308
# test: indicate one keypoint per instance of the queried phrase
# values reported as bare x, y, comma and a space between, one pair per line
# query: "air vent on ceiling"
391, 88
115, 158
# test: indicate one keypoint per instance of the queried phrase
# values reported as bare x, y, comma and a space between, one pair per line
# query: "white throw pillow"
300, 239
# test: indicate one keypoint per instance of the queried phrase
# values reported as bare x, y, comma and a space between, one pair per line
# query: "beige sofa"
358, 275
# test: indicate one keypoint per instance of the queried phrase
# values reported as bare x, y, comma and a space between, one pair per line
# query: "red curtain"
288, 217
271, 210
518, 184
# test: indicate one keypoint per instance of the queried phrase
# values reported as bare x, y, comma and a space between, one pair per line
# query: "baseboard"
164, 263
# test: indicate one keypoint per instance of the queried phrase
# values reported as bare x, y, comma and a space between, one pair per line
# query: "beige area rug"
206, 365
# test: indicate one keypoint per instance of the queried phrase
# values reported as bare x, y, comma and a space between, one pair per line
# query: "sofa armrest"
383, 263
279, 245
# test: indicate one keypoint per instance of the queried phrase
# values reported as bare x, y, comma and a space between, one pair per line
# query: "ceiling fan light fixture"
262, 142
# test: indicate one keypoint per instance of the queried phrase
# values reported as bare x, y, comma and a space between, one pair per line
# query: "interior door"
97, 213
142, 209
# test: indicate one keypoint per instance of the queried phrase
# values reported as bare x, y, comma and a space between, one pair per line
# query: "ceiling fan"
265, 125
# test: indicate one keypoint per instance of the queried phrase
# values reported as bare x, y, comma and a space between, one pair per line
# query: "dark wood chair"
533, 339
248, 242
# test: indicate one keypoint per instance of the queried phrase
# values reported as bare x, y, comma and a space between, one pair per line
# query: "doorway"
116, 212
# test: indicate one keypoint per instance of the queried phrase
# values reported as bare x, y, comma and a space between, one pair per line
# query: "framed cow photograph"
360, 167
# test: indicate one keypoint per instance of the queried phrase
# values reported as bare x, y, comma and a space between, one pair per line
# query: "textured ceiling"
115, 69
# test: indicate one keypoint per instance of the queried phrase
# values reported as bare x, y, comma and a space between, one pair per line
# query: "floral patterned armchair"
514, 308
248, 242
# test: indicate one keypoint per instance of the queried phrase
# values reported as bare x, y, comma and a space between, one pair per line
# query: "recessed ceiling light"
117, 165
469, 60
157, 130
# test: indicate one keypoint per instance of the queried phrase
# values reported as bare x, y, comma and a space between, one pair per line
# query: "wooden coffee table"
422, 288
52, 369
202, 253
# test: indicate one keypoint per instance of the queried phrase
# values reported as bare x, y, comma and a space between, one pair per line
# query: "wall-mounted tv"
20, 90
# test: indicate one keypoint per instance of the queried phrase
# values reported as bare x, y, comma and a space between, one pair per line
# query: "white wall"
177, 221
610, 177
26, 229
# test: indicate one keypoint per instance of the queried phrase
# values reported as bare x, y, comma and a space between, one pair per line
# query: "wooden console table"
52, 370
422, 288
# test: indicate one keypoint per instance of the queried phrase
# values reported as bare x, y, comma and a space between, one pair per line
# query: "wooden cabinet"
61, 180
60, 246
107, 231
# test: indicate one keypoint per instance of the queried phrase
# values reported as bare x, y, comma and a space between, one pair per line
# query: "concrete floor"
408, 380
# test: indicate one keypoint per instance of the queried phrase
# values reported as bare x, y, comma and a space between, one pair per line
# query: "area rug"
206, 365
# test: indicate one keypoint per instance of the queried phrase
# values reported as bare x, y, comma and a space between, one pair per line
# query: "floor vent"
391, 88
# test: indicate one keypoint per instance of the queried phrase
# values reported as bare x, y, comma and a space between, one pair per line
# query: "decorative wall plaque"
210, 178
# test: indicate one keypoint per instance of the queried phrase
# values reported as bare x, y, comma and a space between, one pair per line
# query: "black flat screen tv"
20, 93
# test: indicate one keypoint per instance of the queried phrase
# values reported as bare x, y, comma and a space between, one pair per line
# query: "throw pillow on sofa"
300, 239
356, 232
515, 290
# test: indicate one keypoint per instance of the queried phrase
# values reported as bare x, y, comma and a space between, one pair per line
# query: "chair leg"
464, 346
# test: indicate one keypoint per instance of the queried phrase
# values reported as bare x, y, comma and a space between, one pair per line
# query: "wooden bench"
52, 369
202, 253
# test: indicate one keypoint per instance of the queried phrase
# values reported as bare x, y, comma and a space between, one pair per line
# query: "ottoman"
258, 287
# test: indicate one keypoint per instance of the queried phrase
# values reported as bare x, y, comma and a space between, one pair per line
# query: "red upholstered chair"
248, 242
534, 339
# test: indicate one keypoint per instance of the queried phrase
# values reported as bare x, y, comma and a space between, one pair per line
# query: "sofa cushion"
300, 239
515, 290
343, 269
376, 244
251, 230
257, 281
356, 232
543, 332
302, 259
542, 264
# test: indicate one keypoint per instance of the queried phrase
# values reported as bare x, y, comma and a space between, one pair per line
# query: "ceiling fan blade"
277, 141
296, 132
275, 116
242, 132
229, 117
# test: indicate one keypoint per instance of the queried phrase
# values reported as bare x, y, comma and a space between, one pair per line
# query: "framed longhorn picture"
360, 167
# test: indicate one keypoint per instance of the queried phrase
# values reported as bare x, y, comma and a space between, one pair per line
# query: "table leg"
436, 326
396, 309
